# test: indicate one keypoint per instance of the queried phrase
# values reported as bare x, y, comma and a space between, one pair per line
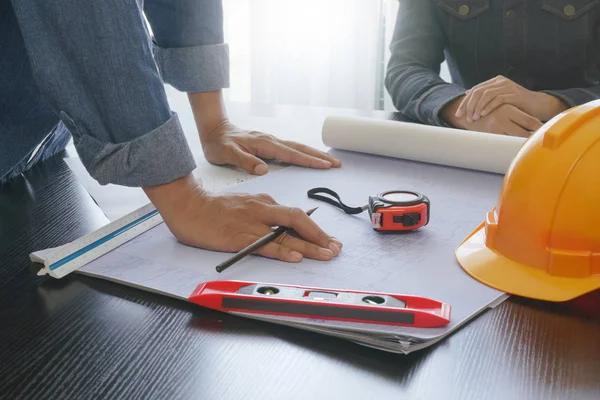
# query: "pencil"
256, 245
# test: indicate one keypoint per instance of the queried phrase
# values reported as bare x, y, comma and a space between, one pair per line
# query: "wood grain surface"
81, 338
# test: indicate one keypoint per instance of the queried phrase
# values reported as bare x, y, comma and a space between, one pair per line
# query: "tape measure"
319, 303
394, 210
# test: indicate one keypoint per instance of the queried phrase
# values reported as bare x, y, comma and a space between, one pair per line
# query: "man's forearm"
209, 111
551, 105
173, 196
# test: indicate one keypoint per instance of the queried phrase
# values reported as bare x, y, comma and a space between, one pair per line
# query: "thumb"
248, 162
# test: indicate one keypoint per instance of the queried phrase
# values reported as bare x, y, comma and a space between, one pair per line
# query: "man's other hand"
486, 97
227, 144
504, 120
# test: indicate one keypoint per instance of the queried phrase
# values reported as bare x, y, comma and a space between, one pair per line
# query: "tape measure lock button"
408, 219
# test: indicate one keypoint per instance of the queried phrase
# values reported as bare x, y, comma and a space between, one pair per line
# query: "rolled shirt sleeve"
93, 62
576, 96
189, 43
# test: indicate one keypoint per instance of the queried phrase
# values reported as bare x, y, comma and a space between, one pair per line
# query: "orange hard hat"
542, 240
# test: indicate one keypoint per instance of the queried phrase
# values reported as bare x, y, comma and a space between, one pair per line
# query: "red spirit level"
394, 210
320, 303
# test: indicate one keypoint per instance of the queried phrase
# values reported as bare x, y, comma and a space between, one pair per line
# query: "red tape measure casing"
399, 210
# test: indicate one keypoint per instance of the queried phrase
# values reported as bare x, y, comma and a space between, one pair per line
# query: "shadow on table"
521, 337
585, 307
396, 367
553, 344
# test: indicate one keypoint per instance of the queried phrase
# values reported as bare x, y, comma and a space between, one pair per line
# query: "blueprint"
420, 263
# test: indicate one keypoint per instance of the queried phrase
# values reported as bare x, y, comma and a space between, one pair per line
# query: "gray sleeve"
576, 96
189, 43
413, 72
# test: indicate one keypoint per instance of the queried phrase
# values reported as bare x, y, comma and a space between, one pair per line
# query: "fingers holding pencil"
279, 245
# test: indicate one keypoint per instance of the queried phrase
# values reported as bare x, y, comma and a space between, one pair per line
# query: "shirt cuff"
573, 97
202, 68
156, 158
440, 98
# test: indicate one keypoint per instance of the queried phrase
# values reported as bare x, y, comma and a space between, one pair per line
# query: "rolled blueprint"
430, 144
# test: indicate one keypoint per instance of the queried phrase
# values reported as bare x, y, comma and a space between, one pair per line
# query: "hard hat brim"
501, 273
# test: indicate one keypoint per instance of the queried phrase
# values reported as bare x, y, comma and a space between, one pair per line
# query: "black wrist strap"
314, 194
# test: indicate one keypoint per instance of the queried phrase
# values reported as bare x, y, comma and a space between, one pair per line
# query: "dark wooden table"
83, 338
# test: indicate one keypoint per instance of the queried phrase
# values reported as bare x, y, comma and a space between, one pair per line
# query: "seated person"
512, 67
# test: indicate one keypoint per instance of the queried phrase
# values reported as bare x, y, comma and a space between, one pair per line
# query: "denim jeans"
91, 68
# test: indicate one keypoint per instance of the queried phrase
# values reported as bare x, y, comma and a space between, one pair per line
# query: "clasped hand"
502, 106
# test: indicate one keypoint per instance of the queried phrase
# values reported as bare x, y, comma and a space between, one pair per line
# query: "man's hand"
228, 144
230, 222
504, 120
224, 143
482, 99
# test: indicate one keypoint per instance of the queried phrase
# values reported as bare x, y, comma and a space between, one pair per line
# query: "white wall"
311, 52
